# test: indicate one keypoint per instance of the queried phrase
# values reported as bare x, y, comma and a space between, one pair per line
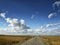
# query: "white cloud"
51, 25
51, 15
29, 30
15, 24
11, 20
22, 21
2, 15
56, 3
45, 30
41, 27
38, 30
16, 27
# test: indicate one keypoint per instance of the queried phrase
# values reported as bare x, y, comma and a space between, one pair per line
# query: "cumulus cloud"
2, 15
51, 15
22, 21
18, 27
14, 25
11, 20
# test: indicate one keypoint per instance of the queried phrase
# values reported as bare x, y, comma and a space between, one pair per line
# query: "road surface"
34, 41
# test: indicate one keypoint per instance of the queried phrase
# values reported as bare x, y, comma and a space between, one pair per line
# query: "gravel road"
34, 41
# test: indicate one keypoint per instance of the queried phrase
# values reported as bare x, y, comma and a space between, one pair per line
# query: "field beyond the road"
17, 40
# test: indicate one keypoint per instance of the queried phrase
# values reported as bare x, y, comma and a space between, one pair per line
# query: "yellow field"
51, 40
10, 40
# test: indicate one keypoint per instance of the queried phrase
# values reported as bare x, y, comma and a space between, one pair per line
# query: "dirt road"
34, 41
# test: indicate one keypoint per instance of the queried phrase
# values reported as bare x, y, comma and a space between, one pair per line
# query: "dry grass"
9, 40
51, 40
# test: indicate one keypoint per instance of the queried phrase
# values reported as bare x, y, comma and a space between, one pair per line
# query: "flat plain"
18, 40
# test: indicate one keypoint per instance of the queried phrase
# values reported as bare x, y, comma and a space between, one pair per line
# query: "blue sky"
36, 13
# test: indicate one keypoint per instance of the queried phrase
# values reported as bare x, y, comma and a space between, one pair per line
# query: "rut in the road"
34, 41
